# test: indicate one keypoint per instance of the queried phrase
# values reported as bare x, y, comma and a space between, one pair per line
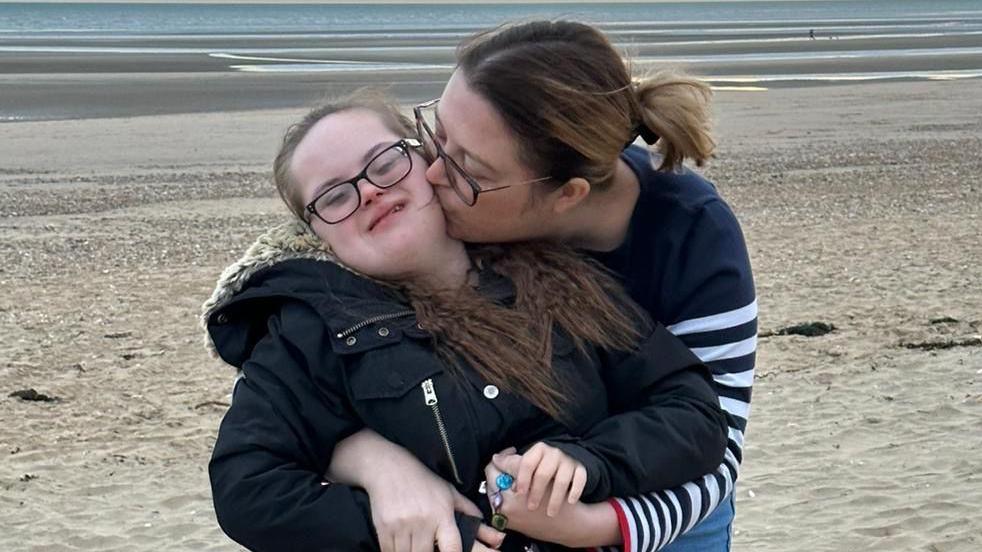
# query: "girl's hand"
412, 507
541, 468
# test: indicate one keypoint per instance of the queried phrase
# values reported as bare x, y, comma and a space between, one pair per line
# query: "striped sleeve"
709, 295
727, 344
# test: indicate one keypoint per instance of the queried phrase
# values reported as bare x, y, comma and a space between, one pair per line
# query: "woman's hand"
576, 525
541, 468
412, 508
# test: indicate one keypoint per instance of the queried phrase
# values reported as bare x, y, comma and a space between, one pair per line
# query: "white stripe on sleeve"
728, 350
735, 407
737, 379
715, 322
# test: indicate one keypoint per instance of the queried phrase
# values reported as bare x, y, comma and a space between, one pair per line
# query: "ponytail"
676, 107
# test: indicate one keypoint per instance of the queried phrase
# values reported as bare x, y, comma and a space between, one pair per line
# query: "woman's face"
392, 228
473, 133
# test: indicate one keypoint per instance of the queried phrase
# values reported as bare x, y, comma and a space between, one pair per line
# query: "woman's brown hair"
509, 345
570, 100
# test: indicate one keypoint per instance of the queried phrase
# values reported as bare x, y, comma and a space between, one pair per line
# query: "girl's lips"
395, 209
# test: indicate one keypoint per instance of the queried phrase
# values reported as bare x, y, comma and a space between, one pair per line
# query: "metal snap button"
350, 341
383, 331
491, 392
222, 318
419, 327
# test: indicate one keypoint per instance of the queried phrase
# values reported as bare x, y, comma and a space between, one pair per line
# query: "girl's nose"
369, 192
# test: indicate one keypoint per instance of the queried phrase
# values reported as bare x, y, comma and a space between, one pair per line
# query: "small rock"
944, 320
807, 329
32, 395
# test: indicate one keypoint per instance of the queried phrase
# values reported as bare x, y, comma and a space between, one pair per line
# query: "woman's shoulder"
672, 203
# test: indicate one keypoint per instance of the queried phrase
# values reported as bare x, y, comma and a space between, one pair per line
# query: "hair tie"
649, 136
646, 134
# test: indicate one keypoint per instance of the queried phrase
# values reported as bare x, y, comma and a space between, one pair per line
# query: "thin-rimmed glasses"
464, 184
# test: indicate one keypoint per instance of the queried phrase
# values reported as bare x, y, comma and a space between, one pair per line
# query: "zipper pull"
429, 392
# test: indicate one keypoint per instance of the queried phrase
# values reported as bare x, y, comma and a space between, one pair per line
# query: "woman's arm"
709, 302
665, 428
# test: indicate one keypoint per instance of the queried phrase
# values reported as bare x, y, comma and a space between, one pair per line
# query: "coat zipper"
429, 397
373, 320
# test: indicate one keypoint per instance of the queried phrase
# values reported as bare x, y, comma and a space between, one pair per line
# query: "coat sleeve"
665, 428
275, 443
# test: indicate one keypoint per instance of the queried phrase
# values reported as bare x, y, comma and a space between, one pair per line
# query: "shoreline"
64, 77
35, 98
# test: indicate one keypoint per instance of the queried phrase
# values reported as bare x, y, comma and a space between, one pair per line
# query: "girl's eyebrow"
364, 158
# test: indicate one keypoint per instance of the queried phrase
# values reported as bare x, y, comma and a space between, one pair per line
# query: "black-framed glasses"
386, 169
464, 184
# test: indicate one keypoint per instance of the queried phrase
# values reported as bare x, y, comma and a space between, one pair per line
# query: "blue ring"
504, 481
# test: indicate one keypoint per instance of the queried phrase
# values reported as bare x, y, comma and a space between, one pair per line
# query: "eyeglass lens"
426, 126
387, 169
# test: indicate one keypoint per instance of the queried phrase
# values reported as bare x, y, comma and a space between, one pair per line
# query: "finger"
490, 536
478, 547
508, 463
403, 542
527, 467
490, 474
422, 539
543, 477
560, 485
464, 505
508, 451
578, 484
448, 538
390, 543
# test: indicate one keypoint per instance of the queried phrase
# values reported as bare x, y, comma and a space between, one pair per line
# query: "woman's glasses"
464, 184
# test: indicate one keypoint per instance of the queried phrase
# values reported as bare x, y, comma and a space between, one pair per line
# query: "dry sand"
861, 205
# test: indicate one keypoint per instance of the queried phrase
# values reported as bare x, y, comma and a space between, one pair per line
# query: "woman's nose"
436, 173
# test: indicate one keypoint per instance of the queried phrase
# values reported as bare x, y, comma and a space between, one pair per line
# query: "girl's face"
390, 229
476, 137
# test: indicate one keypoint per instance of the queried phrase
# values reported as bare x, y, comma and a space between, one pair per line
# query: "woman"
530, 137
391, 324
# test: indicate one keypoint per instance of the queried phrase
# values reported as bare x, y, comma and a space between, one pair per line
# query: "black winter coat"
324, 353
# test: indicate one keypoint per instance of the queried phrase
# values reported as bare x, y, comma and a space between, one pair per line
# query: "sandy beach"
862, 206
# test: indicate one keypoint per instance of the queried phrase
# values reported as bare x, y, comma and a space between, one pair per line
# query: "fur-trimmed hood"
287, 262
290, 240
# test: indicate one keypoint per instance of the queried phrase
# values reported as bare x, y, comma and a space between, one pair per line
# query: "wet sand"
861, 205
95, 76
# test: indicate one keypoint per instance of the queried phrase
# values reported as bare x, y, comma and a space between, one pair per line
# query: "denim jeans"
713, 534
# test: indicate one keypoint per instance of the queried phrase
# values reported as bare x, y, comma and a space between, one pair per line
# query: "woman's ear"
570, 194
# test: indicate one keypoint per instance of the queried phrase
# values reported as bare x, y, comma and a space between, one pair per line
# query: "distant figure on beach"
811, 34
533, 139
